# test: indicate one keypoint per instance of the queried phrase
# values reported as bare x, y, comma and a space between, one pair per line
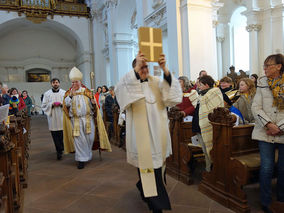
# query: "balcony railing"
38, 10
36, 4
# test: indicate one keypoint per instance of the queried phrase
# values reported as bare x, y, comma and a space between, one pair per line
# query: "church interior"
42, 40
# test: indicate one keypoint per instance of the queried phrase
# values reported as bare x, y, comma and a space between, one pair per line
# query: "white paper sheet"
187, 119
4, 110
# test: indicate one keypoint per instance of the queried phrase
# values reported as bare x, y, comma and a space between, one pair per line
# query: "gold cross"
151, 44
148, 170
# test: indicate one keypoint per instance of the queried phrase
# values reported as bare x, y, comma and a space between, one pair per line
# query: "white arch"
74, 29
239, 40
9, 22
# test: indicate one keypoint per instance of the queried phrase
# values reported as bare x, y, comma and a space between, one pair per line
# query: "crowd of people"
16, 99
75, 116
254, 100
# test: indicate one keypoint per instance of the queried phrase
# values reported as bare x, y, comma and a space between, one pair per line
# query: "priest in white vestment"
148, 143
79, 107
52, 104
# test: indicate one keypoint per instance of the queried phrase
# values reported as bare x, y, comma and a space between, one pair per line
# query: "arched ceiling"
228, 9
21, 39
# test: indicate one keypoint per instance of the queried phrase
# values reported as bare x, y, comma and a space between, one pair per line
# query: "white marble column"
111, 20
220, 40
140, 8
200, 51
99, 43
174, 38
124, 46
277, 11
253, 30
83, 63
265, 24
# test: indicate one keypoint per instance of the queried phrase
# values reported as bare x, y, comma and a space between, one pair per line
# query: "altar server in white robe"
148, 143
80, 108
52, 106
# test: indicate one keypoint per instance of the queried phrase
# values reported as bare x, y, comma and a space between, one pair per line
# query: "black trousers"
58, 140
160, 202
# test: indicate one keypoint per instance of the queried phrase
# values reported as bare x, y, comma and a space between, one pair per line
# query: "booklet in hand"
150, 43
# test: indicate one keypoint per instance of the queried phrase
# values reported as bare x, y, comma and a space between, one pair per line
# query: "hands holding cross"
142, 66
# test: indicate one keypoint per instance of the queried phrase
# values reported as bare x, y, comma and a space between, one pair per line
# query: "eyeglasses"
144, 67
267, 65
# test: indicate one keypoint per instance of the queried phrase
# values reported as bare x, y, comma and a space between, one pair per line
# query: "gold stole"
76, 128
143, 139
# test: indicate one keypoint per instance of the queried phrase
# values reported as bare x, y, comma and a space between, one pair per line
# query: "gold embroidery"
148, 170
76, 128
88, 117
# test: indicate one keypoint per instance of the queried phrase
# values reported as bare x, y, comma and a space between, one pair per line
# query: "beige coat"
264, 112
244, 105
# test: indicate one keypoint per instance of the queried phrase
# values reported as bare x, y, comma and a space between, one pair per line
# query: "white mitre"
75, 74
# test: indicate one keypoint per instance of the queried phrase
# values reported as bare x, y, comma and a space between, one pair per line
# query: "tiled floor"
103, 186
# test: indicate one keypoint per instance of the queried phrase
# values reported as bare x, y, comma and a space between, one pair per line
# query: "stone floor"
103, 186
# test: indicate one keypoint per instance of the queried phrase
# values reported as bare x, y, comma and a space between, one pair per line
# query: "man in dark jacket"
110, 101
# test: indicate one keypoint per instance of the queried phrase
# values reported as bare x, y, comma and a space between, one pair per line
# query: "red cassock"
186, 105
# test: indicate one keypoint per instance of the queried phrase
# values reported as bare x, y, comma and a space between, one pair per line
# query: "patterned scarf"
277, 87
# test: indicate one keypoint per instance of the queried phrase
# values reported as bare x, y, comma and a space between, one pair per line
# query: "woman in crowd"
244, 102
16, 102
186, 106
254, 78
226, 86
268, 110
28, 101
5, 94
97, 95
209, 99
102, 98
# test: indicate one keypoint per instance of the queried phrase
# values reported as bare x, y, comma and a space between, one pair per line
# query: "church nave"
102, 186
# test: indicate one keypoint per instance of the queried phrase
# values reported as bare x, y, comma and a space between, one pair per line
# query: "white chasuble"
156, 95
80, 111
54, 114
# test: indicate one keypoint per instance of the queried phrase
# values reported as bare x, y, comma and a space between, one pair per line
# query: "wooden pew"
236, 161
23, 142
16, 161
27, 136
6, 147
3, 197
180, 164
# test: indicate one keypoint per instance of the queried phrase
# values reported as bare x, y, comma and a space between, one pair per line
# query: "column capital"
96, 10
111, 3
220, 39
253, 27
157, 3
215, 23
202, 3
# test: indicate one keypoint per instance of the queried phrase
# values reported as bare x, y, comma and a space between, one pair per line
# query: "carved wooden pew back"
236, 161
180, 164
6, 147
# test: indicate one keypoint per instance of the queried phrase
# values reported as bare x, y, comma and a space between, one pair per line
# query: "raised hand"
162, 64
141, 61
